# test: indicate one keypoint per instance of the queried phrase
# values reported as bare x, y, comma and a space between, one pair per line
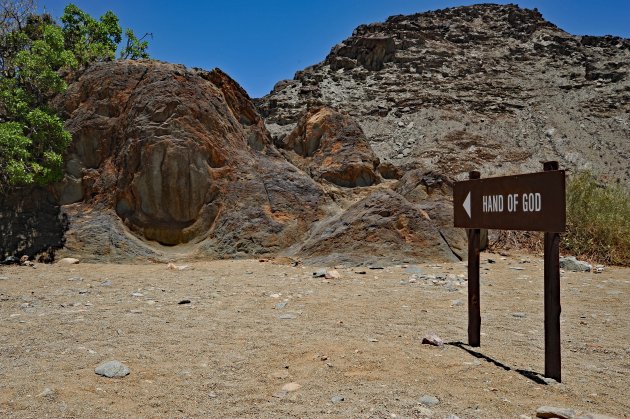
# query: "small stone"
452, 416
599, 269
320, 273
337, 399
212, 395
184, 302
456, 303
555, 412
492, 261
106, 283
332, 274
137, 294
3, 278
68, 261
275, 295
281, 305
373, 340
519, 315
517, 268
10, 260
570, 263
46, 393
112, 369
75, 278
287, 316
290, 387
429, 401
432, 340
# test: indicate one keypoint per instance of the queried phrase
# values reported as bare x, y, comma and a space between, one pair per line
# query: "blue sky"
259, 43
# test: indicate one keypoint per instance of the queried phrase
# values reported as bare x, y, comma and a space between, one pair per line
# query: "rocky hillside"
352, 161
489, 87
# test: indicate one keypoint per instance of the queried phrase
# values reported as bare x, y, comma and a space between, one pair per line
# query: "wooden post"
552, 298
474, 310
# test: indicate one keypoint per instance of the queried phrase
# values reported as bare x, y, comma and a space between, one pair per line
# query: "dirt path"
358, 338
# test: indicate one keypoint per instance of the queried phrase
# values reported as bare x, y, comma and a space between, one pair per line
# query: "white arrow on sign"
467, 205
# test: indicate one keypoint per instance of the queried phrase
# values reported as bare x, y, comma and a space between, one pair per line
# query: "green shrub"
33, 48
598, 220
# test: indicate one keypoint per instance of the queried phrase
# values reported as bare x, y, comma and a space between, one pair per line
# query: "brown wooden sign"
533, 202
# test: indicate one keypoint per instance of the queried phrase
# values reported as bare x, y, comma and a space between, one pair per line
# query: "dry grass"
598, 224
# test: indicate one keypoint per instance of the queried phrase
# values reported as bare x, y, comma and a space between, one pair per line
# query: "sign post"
474, 304
534, 202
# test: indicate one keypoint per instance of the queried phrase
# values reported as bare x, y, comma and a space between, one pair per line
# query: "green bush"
598, 220
33, 48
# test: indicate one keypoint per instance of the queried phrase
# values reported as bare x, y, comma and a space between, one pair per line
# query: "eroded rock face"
330, 145
473, 88
179, 155
383, 227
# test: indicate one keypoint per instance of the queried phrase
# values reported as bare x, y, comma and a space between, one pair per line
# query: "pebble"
46, 393
332, 274
275, 295
281, 305
519, 315
432, 340
337, 399
555, 412
75, 278
455, 303
137, 294
106, 283
112, 369
184, 302
320, 273
3, 278
290, 387
517, 268
68, 261
429, 401
287, 316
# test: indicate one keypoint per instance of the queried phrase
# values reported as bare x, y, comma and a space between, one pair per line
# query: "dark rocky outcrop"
31, 224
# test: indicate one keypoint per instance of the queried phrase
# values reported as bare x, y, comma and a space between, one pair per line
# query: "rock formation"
331, 146
176, 156
355, 158
490, 87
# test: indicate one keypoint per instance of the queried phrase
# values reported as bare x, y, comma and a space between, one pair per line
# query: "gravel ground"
344, 347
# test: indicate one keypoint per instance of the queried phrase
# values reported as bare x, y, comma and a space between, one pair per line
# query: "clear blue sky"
259, 42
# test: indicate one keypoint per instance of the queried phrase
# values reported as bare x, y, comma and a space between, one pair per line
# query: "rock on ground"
112, 369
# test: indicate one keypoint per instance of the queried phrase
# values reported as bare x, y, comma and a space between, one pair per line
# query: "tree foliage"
33, 48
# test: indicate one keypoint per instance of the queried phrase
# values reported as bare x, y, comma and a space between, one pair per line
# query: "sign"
534, 202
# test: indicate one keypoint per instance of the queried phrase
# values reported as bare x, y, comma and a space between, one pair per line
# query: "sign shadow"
531, 375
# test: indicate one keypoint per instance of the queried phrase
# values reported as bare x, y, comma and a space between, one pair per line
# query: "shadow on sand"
534, 376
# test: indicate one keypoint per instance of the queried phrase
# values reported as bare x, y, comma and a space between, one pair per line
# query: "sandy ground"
358, 338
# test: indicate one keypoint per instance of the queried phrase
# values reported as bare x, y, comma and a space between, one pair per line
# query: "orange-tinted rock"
330, 145
179, 156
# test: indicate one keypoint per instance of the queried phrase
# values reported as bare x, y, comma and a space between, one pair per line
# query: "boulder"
331, 146
170, 155
570, 263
